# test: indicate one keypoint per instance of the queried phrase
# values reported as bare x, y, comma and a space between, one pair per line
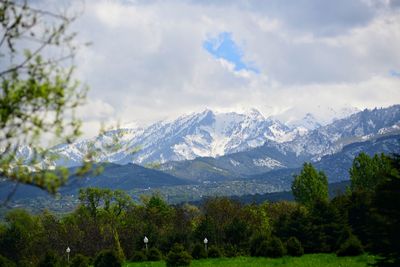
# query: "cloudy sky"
152, 60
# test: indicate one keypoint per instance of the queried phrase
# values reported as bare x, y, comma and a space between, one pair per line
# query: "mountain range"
203, 134
195, 151
311, 146
196, 135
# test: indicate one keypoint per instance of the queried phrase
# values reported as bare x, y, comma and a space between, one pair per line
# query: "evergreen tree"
107, 258
326, 227
385, 231
178, 257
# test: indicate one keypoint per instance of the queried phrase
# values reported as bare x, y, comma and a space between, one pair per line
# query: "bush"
293, 247
255, 245
178, 257
25, 263
154, 255
139, 256
351, 247
49, 260
199, 252
4, 262
79, 260
270, 248
214, 252
275, 248
107, 258
262, 249
231, 251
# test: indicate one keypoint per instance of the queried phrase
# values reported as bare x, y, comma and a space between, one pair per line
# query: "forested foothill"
109, 228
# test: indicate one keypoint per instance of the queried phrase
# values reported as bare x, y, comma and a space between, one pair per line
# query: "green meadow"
309, 260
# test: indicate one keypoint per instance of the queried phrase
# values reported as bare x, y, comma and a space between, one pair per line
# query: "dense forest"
363, 219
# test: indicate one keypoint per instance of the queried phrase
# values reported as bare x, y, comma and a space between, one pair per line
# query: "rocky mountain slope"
335, 166
271, 143
312, 146
205, 134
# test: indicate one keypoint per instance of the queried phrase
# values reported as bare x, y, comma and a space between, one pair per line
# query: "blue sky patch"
224, 47
394, 73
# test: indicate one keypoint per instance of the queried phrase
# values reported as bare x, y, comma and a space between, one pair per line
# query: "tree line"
363, 219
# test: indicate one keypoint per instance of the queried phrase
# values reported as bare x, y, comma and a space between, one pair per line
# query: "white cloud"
96, 113
147, 61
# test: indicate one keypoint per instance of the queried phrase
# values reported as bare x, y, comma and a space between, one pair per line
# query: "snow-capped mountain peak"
308, 122
203, 134
212, 134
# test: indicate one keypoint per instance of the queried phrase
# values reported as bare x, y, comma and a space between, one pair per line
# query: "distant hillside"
272, 157
237, 165
334, 190
124, 177
335, 166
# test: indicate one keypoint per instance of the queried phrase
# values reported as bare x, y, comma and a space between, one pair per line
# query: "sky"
156, 59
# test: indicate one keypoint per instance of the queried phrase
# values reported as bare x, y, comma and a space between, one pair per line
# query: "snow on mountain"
341, 113
315, 116
331, 138
308, 122
204, 134
312, 146
267, 162
214, 134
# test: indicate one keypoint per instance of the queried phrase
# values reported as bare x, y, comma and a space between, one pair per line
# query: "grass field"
310, 260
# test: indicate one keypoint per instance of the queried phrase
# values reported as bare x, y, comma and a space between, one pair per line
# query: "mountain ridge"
196, 135
217, 134
323, 141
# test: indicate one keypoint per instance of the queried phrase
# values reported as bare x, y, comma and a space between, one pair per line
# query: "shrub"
4, 262
25, 263
275, 248
255, 245
154, 255
199, 252
293, 247
231, 251
107, 258
80, 260
351, 247
49, 260
178, 257
214, 252
139, 256
344, 235
262, 249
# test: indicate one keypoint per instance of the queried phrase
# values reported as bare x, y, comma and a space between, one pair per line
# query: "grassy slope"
310, 260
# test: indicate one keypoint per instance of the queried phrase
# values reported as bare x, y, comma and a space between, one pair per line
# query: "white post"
68, 250
205, 243
146, 240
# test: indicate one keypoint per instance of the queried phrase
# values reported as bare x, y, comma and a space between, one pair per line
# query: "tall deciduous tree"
367, 172
310, 185
38, 95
